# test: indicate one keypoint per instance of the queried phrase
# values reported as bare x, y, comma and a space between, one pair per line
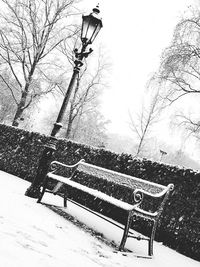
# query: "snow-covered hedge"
180, 227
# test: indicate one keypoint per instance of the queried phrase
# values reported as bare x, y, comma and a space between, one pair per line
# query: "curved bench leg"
126, 230
150, 248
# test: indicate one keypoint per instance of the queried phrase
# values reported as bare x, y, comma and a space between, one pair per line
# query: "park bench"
140, 188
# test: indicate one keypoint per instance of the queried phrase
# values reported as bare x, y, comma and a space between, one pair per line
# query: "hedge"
20, 151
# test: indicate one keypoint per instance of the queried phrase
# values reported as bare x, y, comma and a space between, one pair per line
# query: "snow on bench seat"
92, 192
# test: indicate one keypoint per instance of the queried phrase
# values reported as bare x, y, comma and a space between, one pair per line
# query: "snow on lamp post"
91, 25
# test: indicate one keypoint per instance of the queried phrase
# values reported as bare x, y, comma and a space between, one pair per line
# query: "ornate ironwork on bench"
139, 186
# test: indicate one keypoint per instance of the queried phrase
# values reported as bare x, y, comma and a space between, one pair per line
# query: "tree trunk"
142, 138
17, 116
20, 107
22, 104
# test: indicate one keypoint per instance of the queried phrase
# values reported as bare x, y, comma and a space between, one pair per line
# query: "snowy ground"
33, 235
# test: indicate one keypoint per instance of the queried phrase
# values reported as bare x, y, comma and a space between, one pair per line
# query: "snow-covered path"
33, 235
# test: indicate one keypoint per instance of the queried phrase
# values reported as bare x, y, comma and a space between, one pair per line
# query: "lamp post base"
34, 189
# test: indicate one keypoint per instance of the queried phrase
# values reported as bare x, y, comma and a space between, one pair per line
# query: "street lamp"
91, 25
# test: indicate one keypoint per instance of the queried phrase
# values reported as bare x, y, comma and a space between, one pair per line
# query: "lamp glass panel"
90, 28
90, 31
97, 29
85, 24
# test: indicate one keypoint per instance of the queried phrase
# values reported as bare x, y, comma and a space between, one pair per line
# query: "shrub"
180, 228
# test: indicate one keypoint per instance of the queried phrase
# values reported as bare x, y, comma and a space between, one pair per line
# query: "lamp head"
91, 25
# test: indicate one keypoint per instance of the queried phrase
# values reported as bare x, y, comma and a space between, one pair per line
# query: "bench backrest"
137, 187
120, 178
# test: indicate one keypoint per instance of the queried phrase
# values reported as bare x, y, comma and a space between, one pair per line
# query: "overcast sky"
135, 34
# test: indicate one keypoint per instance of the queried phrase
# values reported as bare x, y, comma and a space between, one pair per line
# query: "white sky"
135, 34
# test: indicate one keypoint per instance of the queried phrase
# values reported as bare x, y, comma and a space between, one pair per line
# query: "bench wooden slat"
92, 192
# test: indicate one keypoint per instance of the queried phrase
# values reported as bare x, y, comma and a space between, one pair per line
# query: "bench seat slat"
93, 192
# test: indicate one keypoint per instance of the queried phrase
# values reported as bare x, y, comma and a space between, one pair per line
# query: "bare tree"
7, 104
30, 30
179, 73
180, 68
83, 121
92, 130
188, 123
141, 125
89, 86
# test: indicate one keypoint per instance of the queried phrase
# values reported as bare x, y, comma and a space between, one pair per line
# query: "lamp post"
91, 25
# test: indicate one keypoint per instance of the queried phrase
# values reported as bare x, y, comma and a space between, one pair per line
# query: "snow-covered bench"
139, 186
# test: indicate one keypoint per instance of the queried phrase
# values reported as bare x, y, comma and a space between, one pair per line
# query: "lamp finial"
96, 9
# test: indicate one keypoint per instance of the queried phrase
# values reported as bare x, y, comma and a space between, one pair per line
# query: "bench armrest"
138, 196
138, 193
